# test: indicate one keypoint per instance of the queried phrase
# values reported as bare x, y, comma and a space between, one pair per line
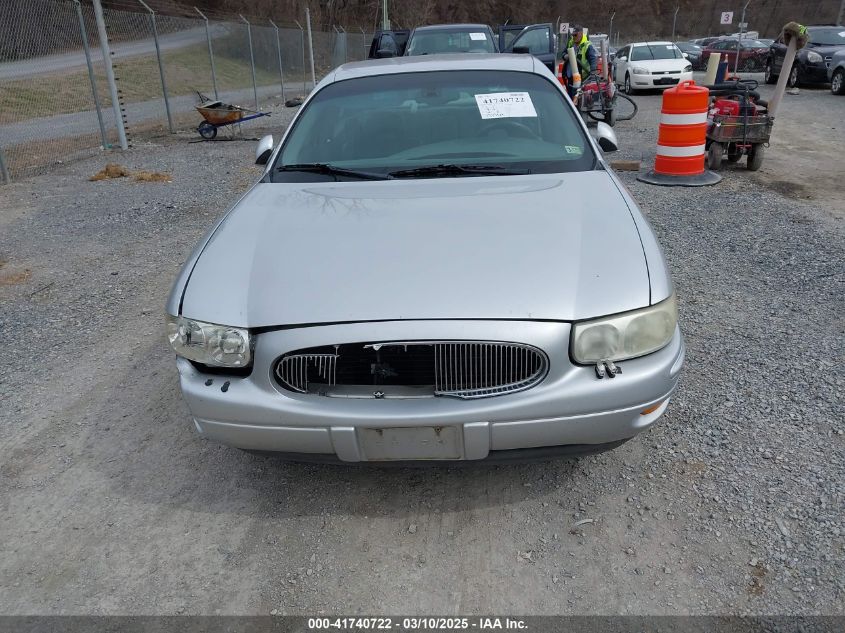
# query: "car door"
393, 41
507, 34
777, 52
732, 51
537, 40
620, 64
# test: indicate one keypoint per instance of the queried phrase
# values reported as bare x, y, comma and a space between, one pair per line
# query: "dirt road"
71, 61
112, 503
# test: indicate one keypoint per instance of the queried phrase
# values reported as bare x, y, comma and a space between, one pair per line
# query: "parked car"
649, 65
706, 41
693, 53
451, 38
836, 73
752, 53
414, 277
811, 62
746, 35
538, 40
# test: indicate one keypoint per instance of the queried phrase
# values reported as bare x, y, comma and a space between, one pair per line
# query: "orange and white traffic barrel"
682, 138
560, 73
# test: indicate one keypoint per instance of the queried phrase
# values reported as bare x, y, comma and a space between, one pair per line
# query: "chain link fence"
55, 98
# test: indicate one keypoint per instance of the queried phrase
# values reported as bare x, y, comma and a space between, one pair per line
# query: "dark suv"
812, 61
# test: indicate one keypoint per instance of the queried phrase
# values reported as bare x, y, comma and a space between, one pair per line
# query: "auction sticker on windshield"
503, 105
477, 36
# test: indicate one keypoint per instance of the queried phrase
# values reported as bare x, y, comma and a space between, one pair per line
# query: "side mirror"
686, 55
264, 150
622, 59
521, 50
606, 137
384, 53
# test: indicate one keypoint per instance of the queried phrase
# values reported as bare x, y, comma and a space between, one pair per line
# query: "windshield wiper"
331, 170
457, 170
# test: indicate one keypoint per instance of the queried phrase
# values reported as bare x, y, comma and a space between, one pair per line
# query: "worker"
585, 54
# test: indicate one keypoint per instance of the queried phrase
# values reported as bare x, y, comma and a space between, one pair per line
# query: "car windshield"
833, 36
754, 44
655, 51
503, 121
689, 48
471, 40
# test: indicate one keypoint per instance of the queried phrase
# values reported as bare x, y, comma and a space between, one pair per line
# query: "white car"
650, 65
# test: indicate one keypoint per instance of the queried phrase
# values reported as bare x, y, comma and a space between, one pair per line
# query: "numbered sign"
727, 17
564, 28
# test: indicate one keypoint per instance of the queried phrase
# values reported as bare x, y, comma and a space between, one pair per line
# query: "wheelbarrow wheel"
714, 156
755, 157
207, 130
734, 153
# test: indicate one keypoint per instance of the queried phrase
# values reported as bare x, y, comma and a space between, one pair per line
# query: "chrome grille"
293, 371
476, 370
461, 369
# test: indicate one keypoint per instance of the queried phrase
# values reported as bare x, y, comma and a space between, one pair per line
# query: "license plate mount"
411, 443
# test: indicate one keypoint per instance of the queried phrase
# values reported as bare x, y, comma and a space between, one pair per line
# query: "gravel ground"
732, 504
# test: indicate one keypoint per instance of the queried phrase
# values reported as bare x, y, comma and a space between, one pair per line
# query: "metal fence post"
364, 40
251, 59
610, 29
160, 66
675, 21
210, 53
310, 47
104, 45
739, 39
335, 46
302, 46
279, 50
3, 171
83, 31
345, 41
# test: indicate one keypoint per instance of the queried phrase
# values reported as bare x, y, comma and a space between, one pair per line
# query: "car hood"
662, 65
824, 49
559, 247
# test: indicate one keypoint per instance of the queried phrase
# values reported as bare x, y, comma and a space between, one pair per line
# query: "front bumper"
657, 81
814, 73
570, 407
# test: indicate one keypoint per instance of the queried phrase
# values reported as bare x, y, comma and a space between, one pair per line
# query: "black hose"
627, 117
633, 103
732, 87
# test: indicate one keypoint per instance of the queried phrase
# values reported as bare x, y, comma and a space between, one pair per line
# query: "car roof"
429, 63
651, 43
451, 27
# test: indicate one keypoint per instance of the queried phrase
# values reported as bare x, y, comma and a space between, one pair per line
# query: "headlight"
208, 343
639, 70
688, 68
813, 57
626, 335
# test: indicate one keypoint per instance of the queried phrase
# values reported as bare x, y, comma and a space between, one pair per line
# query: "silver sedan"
437, 264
